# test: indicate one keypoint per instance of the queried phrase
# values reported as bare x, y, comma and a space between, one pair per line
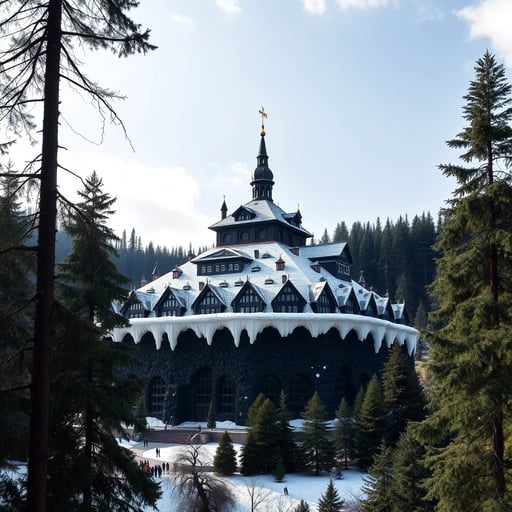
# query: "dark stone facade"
194, 373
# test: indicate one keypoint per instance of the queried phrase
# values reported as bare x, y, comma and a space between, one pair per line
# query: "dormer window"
280, 263
316, 266
176, 272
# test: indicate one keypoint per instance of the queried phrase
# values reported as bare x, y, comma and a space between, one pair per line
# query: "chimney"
295, 250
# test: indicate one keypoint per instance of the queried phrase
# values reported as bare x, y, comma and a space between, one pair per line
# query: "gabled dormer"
384, 308
171, 303
210, 300
288, 300
243, 213
222, 261
322, 298
248, 300
135, 307
347, 300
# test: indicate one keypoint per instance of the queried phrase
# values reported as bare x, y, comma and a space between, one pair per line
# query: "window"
226, 394
203, 392
324, 304
342, 268
170, 307
209, 304
156, 397
249, 302
136, 310
288, 301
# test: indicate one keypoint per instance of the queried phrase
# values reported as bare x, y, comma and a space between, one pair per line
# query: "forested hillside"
396, 258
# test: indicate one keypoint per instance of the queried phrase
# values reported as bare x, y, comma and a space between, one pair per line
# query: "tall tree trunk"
40, 391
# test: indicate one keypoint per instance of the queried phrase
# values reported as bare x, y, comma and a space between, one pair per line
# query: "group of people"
157, 470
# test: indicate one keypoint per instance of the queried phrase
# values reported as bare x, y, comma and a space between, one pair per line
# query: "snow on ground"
306, 487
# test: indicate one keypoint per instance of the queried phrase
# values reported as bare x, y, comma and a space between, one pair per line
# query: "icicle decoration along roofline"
205, 326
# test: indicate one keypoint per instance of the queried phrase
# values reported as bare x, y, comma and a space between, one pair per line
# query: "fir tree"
38, 59
252, 413
279, 471
86, 464
210, 420
377, 485
471, 351
408, 476
316, 445
288, 450
224, 461
370, 424
330, 500
344, 433
403, 397
302, 507
250, 464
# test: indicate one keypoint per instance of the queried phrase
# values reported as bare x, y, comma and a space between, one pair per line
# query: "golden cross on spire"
263, 115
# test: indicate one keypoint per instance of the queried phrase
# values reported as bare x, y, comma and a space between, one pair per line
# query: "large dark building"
260, 312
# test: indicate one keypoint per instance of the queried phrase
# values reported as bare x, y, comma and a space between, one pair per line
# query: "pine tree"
16, 292
330, 500
344, 433
408, 477
252, 413
471, 351
317, 447
377, 485
86, 465
261, 450
288, 450
403, 397
210, 421
224, 461
370, 424
302, 507
38, 59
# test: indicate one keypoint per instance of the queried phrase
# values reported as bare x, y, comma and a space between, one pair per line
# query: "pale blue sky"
361, 96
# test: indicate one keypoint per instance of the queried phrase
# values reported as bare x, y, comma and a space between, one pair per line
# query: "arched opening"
271, 387
202, 393
226, 394
300, 391
156, 397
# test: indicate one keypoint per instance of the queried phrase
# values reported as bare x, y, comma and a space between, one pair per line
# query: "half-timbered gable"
401, 314
248, 300
136, 306
210, 300
347, 300
288, 300
171, 303
384, 309
322, 299
223, 261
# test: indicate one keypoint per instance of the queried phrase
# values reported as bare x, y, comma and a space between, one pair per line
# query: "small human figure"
286, 491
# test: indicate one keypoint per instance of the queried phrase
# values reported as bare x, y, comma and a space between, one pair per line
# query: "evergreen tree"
250, 464
344, 433
252, 413
16, 292
408, 477
377, 485
210, 420
279, 471
471, 350
302, 507
316, 445
370, 424
330, 500
288, 450
261, 450
340, 232
38, 59
224, 461
325, 239
403, 397
87, 468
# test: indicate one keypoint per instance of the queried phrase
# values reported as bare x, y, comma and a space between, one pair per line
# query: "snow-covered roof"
260, 270
263, 211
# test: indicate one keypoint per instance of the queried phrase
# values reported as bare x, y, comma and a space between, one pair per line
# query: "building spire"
262, 178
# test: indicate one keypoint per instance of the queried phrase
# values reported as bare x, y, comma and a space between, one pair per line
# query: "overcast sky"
361, 96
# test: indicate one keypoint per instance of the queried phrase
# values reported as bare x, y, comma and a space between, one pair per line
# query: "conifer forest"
440, 443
